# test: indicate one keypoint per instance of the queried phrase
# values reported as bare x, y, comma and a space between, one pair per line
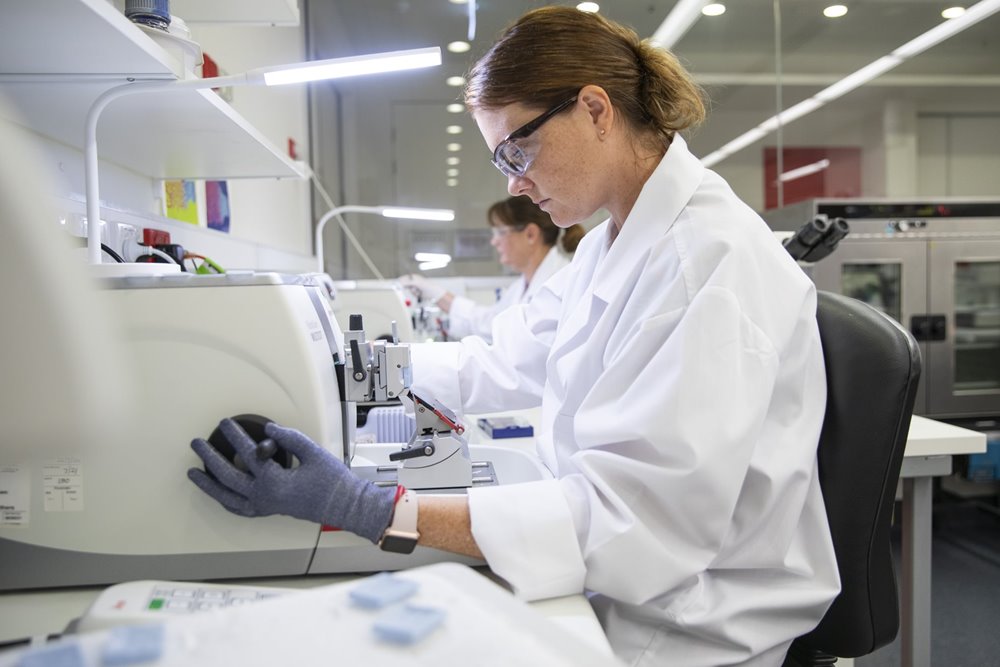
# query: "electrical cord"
150, 250
208, 265
105, 248
112, 254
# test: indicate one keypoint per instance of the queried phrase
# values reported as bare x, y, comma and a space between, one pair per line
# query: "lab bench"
930, 448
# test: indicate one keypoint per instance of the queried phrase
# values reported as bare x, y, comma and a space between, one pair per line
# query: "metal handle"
358, 372
412, 453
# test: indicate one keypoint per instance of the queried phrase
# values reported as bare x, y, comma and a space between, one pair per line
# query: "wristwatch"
401, 536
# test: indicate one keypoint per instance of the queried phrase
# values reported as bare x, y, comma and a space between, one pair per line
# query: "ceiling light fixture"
589, 7
678, 22
455, 107
953, 12
714, 9
452, 173
453, 160
453, 129
451, 182
459, 47
458, 2
835, 11
455, 81
973, 15
454, 147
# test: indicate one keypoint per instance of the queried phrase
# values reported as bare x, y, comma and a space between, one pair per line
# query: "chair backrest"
872, 369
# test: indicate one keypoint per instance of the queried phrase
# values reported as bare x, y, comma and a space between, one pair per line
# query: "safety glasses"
514, 160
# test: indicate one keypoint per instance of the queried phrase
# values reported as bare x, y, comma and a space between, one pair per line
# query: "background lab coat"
683, 390
468, 318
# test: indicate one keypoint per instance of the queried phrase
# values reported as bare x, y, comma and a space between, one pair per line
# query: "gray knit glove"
319, 489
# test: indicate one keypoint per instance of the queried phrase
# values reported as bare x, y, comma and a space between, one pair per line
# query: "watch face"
397, 544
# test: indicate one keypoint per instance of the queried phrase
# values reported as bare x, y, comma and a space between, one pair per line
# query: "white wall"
274, 213
959, 154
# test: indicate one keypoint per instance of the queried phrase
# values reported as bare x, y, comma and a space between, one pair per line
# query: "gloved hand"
427, 289
319, 489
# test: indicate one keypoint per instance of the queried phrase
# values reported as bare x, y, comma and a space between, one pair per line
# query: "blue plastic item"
506, 427
382, 590
131, 645
66, 654
408, 624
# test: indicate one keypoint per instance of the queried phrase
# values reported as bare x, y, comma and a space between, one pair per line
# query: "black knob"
355, 323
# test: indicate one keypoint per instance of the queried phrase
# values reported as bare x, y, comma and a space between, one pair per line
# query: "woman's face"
514, 245
562, 178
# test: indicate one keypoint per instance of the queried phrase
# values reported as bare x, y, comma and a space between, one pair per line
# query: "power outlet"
127, 238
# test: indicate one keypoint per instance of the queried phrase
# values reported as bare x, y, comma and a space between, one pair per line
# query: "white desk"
930, 447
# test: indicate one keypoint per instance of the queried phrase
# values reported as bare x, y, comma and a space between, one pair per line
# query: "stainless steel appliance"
934, 266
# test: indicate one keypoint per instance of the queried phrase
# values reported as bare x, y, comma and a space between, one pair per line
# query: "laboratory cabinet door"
890, 276
965, 365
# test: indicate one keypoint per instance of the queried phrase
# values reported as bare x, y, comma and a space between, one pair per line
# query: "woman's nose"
518, 185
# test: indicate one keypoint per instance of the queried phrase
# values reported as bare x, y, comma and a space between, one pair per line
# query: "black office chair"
872, 369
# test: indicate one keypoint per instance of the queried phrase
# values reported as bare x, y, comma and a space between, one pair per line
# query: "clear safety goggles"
514, 160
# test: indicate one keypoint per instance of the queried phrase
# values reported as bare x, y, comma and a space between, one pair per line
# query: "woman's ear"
532, 233
598, 105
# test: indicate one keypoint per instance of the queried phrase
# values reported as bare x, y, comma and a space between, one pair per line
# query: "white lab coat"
468, 318
682, 386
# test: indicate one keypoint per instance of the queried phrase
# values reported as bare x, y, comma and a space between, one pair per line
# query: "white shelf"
242, 12
77, 38
57, 56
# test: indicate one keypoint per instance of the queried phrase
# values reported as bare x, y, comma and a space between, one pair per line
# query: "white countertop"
928, 437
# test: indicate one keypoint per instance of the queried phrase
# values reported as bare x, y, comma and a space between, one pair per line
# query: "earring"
602, 133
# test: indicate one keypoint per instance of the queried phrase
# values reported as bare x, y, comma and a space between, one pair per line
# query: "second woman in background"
528, 242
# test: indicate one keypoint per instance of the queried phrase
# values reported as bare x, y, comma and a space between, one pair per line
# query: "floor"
965, 617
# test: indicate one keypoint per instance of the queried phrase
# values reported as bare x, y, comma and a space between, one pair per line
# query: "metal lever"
359, 368
412, 453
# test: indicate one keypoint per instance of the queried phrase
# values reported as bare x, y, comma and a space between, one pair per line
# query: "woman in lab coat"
677, 362
527, 241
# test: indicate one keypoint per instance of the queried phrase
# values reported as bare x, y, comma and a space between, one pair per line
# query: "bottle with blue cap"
153, 13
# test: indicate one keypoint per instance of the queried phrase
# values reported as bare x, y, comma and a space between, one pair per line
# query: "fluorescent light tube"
338, 68
678, 22
432, 257
430, 266
805, 170
858, 78
943, 31
442, 214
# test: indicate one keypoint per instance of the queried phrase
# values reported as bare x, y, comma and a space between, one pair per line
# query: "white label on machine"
62, 482
15, 495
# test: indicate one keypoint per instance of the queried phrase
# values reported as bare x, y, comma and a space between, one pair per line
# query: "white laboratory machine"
379, 302
201, 348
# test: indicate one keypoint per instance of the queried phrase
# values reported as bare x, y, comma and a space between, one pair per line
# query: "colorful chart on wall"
217, 205
182, 201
